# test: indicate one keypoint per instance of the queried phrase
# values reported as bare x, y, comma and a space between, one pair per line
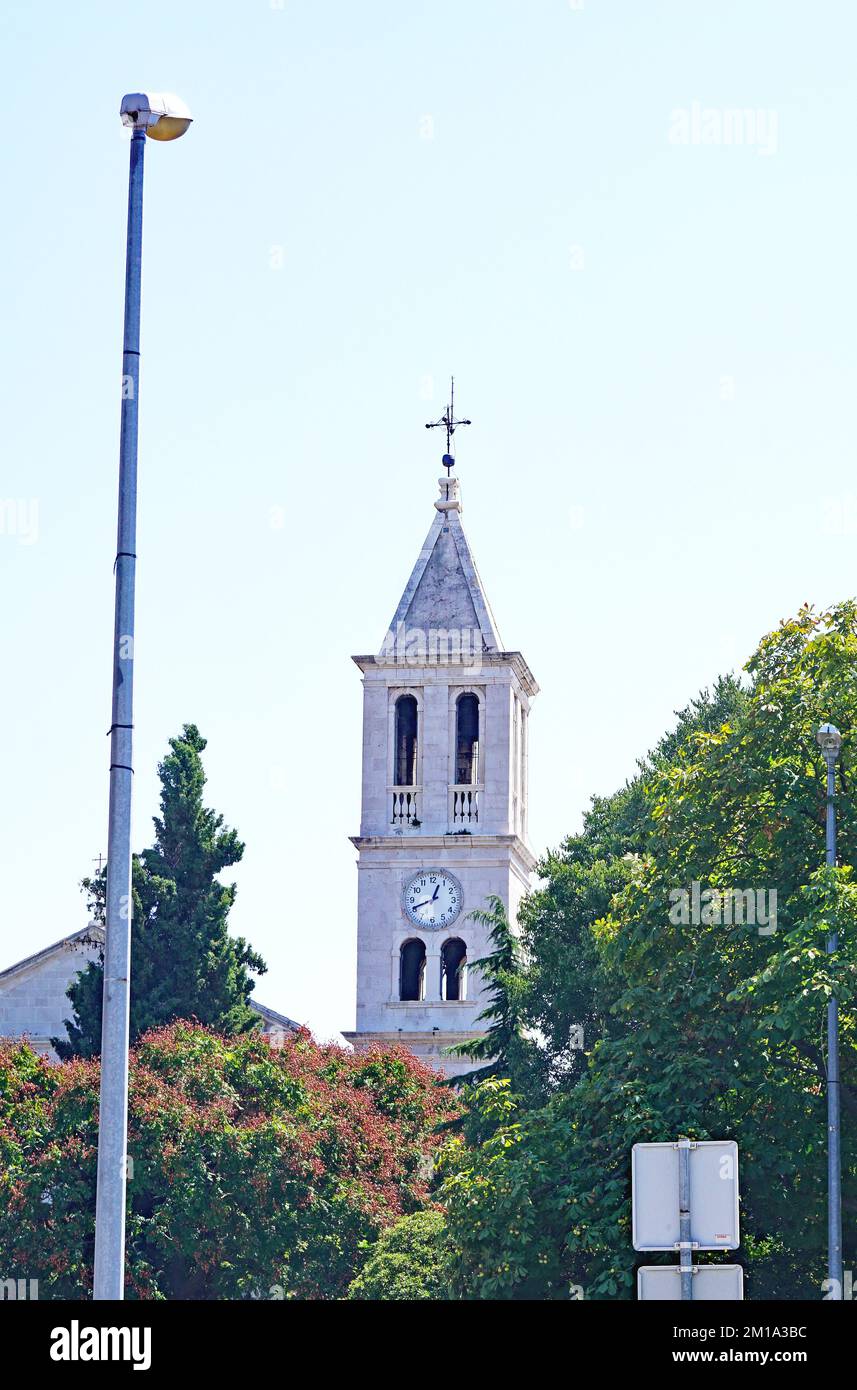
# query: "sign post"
684, 1196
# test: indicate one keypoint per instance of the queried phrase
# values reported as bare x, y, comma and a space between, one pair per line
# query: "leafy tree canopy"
257, 1172
410, 1262
697, 1020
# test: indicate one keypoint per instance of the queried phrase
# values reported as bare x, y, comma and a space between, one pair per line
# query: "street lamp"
161, 116
830, 742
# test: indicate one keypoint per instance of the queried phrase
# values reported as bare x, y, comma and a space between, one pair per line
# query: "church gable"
33, 999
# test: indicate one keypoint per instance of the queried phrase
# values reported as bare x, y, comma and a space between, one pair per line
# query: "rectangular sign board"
713, 1195
711, 1283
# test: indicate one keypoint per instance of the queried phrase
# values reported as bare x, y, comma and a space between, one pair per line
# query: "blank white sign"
711, 1283
713, 1195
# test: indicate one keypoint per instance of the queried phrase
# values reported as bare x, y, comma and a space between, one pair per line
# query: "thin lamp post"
163, 117
830, 742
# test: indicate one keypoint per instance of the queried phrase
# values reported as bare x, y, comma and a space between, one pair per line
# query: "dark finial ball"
448, 462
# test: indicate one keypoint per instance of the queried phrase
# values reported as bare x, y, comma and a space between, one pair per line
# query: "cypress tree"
184, 963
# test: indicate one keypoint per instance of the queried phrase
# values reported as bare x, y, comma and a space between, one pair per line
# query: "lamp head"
829, 740
162, 115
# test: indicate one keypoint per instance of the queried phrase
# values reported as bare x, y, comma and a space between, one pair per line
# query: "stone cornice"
513, 659
418, 844
410, 1039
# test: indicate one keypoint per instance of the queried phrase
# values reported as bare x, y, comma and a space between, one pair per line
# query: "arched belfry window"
467, 740
453, 969
412, 970
406, 741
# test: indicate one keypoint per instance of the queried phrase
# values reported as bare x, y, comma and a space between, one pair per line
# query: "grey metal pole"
109, 1280
685, 1246
834, 1162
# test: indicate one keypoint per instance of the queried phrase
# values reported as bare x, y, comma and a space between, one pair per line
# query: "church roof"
271, 1016
445, 592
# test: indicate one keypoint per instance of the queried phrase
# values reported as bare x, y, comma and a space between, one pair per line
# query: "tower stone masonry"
444, 801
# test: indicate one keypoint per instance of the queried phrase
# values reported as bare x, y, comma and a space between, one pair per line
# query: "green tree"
257, 1172
184, 963
410, 1262
506, 1198
704, 1022
568, 996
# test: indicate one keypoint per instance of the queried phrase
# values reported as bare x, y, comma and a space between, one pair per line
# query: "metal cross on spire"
450, 424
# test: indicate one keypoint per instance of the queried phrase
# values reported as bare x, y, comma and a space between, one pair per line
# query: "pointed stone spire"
444, 593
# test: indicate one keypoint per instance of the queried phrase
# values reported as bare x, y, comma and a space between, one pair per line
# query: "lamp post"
161, 116
830, 741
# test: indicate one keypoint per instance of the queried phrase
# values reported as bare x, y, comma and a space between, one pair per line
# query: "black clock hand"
425, 902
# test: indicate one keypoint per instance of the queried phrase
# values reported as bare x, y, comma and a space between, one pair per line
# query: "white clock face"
432, 898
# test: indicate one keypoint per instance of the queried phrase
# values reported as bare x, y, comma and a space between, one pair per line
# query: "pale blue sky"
655, 342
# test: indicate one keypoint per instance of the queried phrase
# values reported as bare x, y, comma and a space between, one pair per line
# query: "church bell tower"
444, 803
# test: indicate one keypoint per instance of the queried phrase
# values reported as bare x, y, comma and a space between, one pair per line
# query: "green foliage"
257, 1172
505, 1200
706, 1026
184, 963
409, 1262
568, 987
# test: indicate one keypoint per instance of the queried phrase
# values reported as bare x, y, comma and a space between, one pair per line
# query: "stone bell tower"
444, 806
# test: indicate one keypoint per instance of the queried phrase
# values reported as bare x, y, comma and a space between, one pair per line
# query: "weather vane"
450, 424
